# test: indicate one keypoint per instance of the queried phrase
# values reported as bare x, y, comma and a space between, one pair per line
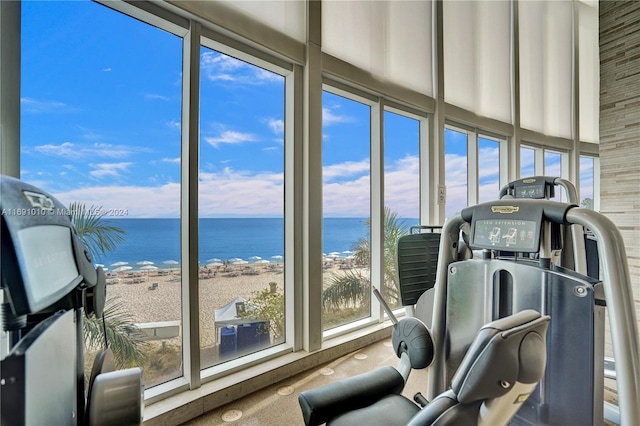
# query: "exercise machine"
531, 258
47, 281
518, 277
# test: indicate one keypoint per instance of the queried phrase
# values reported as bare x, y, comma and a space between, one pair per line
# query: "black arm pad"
324, 403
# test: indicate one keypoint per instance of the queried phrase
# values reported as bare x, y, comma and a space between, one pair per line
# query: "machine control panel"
506, 234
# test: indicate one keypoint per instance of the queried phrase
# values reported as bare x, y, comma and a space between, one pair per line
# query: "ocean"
158, 240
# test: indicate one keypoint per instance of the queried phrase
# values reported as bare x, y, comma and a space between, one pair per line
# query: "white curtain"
286, 16
545, 67
389, 39
589, 76
477, 57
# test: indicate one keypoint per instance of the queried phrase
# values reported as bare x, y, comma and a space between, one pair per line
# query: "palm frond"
125, 339
96, 233
346, 290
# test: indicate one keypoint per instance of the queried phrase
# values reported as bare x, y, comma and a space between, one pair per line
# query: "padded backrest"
505, 351
417, 264
506, 359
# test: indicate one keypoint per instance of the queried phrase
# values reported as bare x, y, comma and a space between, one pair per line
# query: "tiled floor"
277, 405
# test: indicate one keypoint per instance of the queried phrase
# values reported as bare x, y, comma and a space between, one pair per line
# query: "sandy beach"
148, 302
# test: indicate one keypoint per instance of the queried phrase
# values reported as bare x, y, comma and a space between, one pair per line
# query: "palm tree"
99, 238
349, 288
125, 339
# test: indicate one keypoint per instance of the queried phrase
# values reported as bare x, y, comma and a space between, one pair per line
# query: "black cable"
104, 329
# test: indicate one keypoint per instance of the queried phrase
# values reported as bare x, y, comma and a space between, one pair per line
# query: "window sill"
189, 404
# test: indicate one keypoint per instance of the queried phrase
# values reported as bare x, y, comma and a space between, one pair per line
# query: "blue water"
158, 240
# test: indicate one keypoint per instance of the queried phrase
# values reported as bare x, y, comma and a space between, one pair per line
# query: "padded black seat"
389, 410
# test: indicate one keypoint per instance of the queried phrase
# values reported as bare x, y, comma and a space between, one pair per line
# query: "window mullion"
377, 203
472, 169
189, 205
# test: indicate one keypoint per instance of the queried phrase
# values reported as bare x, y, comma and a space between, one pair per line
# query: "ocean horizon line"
158, 239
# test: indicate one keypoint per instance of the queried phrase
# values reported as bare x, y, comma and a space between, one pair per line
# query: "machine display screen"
530, 191
45, 255
518, 235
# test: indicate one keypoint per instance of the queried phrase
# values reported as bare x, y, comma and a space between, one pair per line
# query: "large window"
346, 295
241, 208
401, 192
100, 126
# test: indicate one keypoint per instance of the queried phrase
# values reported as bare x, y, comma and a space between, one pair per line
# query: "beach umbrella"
171, 262
119, 264
262, 261
239, 262
276, 257
215, 259
255, 258
145, 262
334, 254
122, 269
347, 252
234, 259
149, 268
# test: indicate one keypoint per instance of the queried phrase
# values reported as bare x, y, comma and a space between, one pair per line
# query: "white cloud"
455, 169
155, 96
103, 170
242, 193
276, 125
135, 201
267, 76
218, 67
106, 70
330, 116
231, 192
489, 163
171, 160
402, 186
347, 198
40, 106
230, 137
83, 151
174, 124
347, 169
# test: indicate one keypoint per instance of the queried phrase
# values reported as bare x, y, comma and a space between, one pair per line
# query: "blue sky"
101, 124
101, 112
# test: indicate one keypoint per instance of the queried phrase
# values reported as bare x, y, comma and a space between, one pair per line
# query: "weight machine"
532, 258
47, 280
